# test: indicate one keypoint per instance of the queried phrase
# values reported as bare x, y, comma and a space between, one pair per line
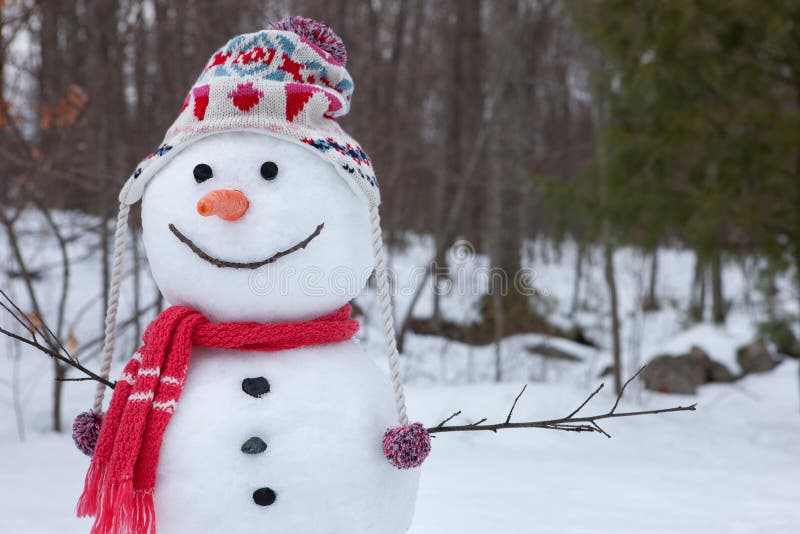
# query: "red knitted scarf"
119, 485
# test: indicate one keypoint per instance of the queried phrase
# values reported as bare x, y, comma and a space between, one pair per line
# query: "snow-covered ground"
731, 467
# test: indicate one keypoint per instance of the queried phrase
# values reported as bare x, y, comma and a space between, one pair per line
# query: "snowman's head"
247, 227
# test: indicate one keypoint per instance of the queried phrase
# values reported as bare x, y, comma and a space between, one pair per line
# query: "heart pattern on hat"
201, 100
245, 96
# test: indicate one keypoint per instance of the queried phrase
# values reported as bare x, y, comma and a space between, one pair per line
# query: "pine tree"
701, 133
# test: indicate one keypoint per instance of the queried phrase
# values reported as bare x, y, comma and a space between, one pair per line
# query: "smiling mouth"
243, 265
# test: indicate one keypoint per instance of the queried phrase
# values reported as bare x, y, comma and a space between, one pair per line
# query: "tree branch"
569, 423
53, 348
511, 411
58, 356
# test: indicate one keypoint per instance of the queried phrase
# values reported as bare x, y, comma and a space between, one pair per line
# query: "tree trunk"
2, 64
797, 274
651, 301
58, 385
16, 395
797, 233
499, 328
718, 305
576, 285
438, 271
770, 295
698, 293
611, 281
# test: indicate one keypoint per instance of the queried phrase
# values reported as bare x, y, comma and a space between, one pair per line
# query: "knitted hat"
289, 82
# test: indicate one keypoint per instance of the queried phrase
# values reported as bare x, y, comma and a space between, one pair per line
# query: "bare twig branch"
511, 411
79, 379
448, 419
622, 391
22, 319
584, 403
597, 427
53, 348
569, 423
58, 356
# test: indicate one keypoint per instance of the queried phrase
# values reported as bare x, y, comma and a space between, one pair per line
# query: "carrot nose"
227, 204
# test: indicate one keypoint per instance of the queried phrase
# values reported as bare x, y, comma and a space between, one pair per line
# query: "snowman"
250, 407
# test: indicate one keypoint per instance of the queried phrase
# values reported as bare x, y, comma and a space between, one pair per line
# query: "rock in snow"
755, 358
682, 374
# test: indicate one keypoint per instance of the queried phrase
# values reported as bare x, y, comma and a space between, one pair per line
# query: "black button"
264, 496
254, 445
255, 387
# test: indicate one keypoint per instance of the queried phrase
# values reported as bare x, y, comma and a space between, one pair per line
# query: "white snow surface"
730, 467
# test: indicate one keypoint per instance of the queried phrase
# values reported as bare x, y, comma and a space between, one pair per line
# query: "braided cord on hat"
384, 299
113, 301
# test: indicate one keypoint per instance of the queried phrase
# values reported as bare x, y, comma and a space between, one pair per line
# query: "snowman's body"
328, 406
322, 422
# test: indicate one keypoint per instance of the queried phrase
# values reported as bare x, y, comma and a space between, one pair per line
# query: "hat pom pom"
86, 430
318, 34
406, 446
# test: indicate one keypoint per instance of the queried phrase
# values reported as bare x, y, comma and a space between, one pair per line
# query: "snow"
730, 467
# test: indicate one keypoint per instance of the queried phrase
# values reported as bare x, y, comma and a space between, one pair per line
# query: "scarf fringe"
123, 510
87, 503
144, 519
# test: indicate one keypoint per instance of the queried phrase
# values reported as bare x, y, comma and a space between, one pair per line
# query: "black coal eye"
202, 172
269, 170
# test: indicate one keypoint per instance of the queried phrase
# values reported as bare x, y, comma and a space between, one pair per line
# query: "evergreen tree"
700, 130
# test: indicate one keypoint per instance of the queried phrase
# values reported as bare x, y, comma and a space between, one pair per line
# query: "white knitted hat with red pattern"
289, 82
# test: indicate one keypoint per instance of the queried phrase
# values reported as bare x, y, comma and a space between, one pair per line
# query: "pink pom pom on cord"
86, 430
318, 34
407, 446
